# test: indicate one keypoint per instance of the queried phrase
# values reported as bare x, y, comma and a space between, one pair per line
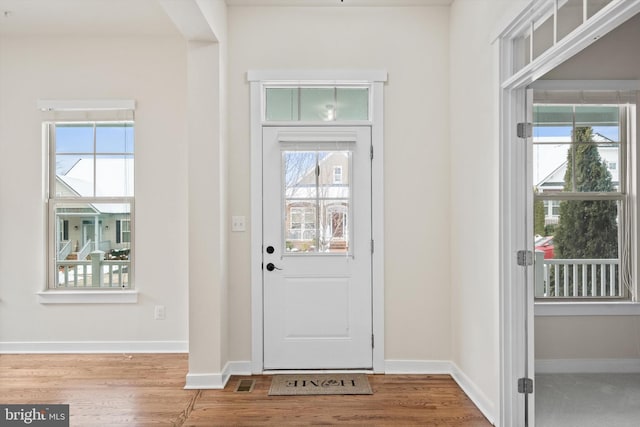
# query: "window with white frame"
302, 223
90, 198
582, 212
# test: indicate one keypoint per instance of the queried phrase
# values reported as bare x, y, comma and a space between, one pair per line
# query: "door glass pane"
282, 104
334, 190
317, 104
569, 17
317, 198
542, 35
352, 103
299, 170
526, 44
594, 6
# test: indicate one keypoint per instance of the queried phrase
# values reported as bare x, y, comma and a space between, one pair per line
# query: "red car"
545, 244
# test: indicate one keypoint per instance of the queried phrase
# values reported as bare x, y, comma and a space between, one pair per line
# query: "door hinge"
525, 258
372, 341
371, 152
372, 246
524, 130
317, 170
525, 385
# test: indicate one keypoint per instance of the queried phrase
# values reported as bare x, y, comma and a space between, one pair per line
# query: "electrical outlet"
238, 223
159, 312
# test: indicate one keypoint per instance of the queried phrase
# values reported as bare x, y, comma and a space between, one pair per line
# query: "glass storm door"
317, 248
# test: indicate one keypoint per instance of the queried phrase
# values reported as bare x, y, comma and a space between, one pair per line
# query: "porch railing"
94, 273
85, 251
64, 249
577, 278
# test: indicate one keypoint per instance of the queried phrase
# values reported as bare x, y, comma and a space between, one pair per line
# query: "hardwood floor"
147, 390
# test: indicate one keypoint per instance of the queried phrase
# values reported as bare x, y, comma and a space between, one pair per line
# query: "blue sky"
74, 142
610, 132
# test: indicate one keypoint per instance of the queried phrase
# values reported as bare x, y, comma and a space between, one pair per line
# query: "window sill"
88, 297
599, 308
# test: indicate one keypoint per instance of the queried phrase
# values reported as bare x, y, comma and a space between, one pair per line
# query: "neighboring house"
87, 227
317, 201
550, 167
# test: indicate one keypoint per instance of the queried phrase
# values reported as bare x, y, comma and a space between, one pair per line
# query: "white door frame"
375, 79
512, 202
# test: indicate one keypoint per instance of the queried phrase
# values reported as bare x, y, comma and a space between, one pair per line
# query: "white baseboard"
591, 366
94, 347
217, 380
205, 381
474, 393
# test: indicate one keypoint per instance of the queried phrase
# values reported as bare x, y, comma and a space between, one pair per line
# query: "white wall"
151, 70
474, 197
413, 45
588, 337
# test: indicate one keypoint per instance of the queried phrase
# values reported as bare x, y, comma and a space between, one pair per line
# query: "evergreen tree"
587, 228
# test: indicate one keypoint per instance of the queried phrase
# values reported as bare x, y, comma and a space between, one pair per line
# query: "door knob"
271, 267
270, 249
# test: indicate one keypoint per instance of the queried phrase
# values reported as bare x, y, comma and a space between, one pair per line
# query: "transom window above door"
317, 104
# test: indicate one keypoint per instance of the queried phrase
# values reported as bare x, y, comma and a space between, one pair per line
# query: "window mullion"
95, 160
317, 213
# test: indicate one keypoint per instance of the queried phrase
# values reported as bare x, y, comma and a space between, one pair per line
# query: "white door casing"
258, 80
317, 275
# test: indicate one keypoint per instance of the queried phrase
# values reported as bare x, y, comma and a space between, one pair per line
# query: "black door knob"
271, 267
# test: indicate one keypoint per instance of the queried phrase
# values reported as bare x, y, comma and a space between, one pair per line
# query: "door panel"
317, 240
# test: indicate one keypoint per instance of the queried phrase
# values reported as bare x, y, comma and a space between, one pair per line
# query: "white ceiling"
86, 17
126, 17
148, 17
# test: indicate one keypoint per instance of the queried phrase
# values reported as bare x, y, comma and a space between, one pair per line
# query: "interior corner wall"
412, 44
475, 302
152, 71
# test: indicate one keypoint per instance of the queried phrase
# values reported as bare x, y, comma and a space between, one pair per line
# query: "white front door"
317, 248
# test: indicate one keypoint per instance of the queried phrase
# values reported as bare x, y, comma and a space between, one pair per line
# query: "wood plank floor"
147, 390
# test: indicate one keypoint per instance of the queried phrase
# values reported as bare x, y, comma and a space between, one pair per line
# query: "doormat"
314, 384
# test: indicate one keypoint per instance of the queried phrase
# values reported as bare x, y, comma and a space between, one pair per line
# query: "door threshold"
316, 371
